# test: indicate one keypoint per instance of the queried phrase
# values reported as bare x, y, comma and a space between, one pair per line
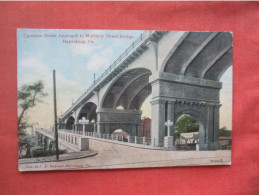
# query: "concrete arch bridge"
181, 70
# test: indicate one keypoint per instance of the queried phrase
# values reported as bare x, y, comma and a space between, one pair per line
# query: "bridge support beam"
109, 120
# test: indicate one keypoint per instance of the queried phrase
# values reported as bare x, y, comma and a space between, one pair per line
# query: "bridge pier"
107, 128
158, 121
174, 96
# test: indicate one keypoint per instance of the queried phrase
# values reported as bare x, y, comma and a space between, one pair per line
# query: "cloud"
100, 61
34, 69
83, 49
35, 65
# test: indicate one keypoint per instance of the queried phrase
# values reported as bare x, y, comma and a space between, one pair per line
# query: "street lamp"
168, 124
83, 122
169, 140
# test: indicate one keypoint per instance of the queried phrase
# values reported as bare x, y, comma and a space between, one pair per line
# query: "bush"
41, 153
225, 133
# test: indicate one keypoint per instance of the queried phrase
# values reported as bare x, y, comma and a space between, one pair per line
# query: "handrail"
135, 44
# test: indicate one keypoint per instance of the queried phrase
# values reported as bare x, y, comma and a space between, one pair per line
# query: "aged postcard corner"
102, 99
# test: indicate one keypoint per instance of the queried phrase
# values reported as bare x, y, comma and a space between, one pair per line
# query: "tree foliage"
224, 132
28, 96
186, 124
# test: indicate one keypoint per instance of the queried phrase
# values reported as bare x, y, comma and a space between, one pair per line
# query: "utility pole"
55, 115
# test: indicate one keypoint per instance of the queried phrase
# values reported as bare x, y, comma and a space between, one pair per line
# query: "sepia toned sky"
41, 51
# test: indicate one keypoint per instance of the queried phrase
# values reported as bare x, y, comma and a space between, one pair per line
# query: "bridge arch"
205, 55
124, 90
198, 116
199, 119
122, 133
120, 128
88, 110
171, 52
70, 122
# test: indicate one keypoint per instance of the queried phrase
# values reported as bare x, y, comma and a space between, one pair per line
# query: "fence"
71, 138
132, 140
75, 138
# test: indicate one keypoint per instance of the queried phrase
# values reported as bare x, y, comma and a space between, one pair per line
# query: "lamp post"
83, 122
168, 124
168, 140
55, 115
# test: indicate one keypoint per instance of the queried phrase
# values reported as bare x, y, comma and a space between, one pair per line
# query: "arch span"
88, 111
70, 122
125, 88
198, 116
204, 55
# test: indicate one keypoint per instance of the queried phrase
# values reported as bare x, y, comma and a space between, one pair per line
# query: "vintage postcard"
103, 99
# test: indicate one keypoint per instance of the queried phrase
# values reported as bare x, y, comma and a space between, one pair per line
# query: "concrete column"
107, 128
100, 128
138, 130
158, 120
133, 130
216, 123
94, 127
171, 115
209, 137
214, 137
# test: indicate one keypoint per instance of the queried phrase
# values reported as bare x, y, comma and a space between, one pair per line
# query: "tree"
28, 96
224, 132
186, 124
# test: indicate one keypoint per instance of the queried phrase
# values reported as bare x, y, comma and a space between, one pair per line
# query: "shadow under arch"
70, 122
132, 80
88, 111
123, 135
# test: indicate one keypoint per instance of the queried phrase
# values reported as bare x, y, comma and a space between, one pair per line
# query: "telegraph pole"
55, 115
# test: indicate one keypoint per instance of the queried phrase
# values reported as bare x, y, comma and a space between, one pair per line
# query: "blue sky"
75, 65
77, 62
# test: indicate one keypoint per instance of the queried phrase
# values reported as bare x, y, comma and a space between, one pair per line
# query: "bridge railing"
115, 64
132, 140
70, 138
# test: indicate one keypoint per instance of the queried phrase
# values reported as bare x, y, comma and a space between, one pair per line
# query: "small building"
145, 128
225, 142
